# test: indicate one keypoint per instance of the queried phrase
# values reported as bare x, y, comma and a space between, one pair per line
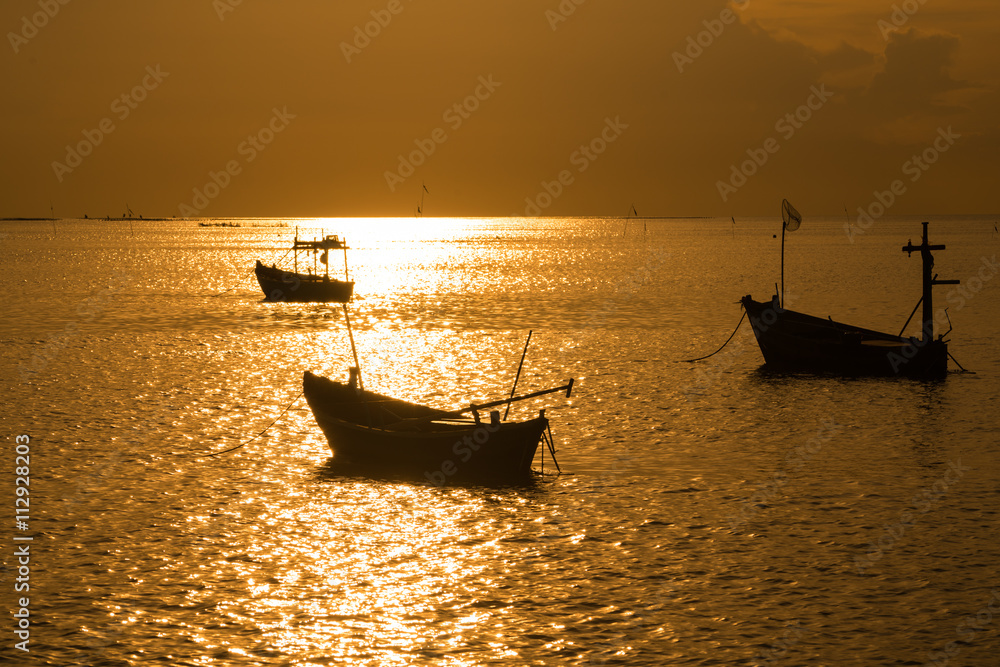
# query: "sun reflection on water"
377, 565
268, 556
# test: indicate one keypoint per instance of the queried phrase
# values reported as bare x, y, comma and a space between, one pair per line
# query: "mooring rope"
687, 361
248, 273
287, 408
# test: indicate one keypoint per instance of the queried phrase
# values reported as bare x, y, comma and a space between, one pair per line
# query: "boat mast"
781, 299
325, 256
929, 281
790, 220
347, 276
354, 350
518, 377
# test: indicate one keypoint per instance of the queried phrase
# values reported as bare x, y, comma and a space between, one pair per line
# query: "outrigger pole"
568, 388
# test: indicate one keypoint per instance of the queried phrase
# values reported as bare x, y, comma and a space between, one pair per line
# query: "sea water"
707, 513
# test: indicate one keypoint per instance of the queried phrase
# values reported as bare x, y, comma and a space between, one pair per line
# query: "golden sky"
553, 107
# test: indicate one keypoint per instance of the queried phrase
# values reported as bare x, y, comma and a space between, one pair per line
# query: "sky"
522, 107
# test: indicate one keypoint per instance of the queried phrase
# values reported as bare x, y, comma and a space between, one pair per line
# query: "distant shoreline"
486, 217
98, 219
540, 217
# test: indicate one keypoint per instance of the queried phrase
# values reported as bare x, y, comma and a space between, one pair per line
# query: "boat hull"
793, 341
279, 285
437, 451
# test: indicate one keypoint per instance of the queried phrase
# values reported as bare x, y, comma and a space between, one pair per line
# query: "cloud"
917, 74
890, 98
913, 92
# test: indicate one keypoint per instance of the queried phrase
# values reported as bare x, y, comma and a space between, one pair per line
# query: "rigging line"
723, 345
911, 316
287, 408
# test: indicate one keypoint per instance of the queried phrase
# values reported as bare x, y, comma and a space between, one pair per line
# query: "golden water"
709, 514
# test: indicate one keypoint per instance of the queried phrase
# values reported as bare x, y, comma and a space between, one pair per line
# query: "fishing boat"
794, 341
281, 285
387, 435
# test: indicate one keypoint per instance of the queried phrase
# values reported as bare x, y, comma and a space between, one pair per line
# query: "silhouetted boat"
280, 285
391, 436
794, 341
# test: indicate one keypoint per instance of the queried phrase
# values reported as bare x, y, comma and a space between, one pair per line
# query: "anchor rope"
242, 444
247, 274
276, 419
723, 345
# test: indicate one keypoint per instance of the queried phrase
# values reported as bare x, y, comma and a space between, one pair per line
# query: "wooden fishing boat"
794, 341
281, 285
391, 436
